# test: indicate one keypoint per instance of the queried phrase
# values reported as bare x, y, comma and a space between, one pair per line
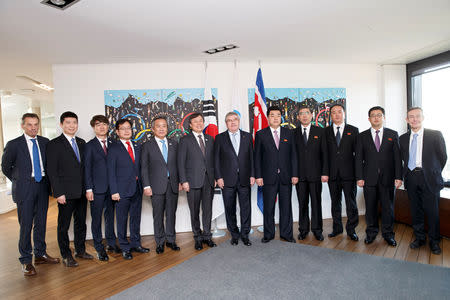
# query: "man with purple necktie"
378, 170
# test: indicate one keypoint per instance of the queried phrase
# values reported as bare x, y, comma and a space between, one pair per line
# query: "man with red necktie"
378, 169
126, 188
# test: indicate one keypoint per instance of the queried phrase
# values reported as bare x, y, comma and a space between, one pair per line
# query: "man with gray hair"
234, 172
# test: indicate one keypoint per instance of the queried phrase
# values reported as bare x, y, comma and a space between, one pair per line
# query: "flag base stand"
217, 232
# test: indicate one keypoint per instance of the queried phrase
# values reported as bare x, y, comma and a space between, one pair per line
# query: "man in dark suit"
341, 145
276, 170
65, 158
196, 172
235, 175
97, 191
424, 156
23, 162
378, 169
312, 170
123, 163
160, 180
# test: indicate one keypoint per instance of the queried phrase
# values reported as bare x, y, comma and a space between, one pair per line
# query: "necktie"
130, 151
104, 147
164, 152
413, 153
305, 136
276, 138
235, 145
338, 136
75, 149
202, 144
36, 162
377, 141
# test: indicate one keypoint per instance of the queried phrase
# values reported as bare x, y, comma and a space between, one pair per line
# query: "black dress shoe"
318, 236
234, 241
140, 249
173, 246
210, 243
334, 233
70, 262
127, 255
265, 240
302, 235
159, 249
291, 240
353, 236
369, 240
84, 255
102, 256
391, 241
416, 244
115, 249
198, 245
28, 270
435, 248
246, 242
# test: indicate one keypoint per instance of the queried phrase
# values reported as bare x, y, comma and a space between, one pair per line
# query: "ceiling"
34, 36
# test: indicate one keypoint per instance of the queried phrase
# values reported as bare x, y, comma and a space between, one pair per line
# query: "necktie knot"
104, 142
338, 128
415, 135
377, 131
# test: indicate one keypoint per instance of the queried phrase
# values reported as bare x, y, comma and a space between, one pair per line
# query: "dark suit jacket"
312, 158
66, 174
95, 168
192, 165
17, 165
371, 165
268, 159
122, 172
229, 165
434, 157
154, 168
341, 160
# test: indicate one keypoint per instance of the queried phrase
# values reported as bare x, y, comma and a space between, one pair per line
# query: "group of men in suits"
113, 177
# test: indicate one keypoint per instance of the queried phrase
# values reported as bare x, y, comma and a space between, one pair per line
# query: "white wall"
80, 88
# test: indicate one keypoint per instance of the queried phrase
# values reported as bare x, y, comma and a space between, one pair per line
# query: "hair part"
99, 119
30, 115
67, 114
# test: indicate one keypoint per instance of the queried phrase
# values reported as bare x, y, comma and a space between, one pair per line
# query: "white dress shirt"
341, 129
238, 139
101, 143
419, 146
308, 128
30, 149
196, 135
374, 134
124, 143
158, 142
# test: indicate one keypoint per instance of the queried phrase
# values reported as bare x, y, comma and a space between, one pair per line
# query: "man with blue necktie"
66, 173
23, 162
424, 156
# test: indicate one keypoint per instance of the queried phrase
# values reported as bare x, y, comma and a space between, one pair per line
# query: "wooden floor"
98, 280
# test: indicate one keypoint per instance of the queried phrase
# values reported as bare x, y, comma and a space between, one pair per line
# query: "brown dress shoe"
45, 259
28, 270
70, 262
84, 255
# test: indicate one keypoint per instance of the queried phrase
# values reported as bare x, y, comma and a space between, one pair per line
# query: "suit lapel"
270, 136
24, 148
230, 144
155, 145
69, 146
343, 137
310, 135
99, 147
383, 140
41, 150
241, 142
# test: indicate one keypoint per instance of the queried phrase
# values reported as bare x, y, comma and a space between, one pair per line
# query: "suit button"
338, 152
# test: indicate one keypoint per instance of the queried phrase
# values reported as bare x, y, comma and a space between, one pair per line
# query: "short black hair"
67, 114
337, 104
122, 121
195, 115
305, 107
377, 108
29, 115
159, 118
273, 108
100, 119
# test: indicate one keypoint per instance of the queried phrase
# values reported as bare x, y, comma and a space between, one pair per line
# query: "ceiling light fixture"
36, 83
59, 4
220, 49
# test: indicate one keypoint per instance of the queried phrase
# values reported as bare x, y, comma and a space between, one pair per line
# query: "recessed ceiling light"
220, 49
36, 83
59, 4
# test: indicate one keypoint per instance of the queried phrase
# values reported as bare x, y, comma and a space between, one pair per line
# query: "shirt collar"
100, 140
231, 133
29, 137
275, 129
341, 126
373, 130
420, 132
69, 138
307, 127
159, 140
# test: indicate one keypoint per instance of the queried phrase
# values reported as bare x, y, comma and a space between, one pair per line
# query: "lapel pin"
349, 133
389, 139
316, 137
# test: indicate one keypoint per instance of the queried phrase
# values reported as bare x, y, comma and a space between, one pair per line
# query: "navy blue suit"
96, 179
124, 178
276, 167
30, 196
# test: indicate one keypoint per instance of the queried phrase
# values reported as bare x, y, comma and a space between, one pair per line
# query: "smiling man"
424, 156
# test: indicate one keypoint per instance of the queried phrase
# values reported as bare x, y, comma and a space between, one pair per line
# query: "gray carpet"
292, 271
